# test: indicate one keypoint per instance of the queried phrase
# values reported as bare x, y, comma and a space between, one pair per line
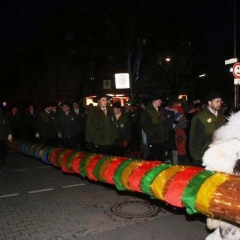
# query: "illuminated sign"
122, 80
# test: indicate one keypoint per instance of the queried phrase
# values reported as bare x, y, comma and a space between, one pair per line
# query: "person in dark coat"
135, 141
5, 135
67, 126
170, 146
29, 124
46, 126
16, 123
101, 131
124, 130
82, 119
154, 125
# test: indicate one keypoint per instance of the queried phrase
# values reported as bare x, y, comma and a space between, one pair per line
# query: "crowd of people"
158, 129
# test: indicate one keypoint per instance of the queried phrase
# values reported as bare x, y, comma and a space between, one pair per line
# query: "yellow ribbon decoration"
102, 169
128, 171
206, 191
159, 182
88, 161
42, 151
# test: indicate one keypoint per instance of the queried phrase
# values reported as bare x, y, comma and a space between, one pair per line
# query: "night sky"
212, 20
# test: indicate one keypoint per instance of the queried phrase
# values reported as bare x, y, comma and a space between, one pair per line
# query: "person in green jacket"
124, 130
203, 126
45, 129
101, 130
155, 127
67, 126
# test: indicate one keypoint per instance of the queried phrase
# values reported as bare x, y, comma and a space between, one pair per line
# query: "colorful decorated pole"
198, 190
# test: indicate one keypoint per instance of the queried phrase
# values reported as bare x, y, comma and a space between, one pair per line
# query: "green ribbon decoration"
118, 174
190, 193
149, 177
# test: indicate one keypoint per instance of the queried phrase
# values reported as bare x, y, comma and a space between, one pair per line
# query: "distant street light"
168, 59
202, 75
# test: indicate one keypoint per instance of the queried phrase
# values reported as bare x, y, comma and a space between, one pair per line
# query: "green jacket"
203, 126
124, 129
154, 125
101, 129
67, 124
46, 124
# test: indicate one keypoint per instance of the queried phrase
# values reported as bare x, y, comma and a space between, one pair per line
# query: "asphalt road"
40, 202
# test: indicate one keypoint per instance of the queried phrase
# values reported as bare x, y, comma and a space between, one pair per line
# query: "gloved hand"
89, 146
37, 135
9, 137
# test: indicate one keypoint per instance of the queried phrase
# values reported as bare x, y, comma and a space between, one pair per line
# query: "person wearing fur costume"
223, 155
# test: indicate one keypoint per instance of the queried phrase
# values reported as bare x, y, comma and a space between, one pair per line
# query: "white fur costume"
222, 156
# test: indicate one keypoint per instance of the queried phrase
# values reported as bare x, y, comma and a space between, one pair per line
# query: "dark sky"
22, 21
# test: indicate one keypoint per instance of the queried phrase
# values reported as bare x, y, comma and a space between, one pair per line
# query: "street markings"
9, 195
74, 185
43, 167
41, 190
20, 170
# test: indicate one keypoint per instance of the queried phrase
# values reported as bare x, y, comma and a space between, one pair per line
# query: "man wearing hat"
124, 130
203, 126
101, 130
67, 126
46, 125
155, 127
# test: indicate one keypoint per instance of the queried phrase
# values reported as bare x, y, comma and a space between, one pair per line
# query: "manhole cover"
135, 209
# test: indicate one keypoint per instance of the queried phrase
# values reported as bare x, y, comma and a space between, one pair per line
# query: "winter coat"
5, 129
15, 121
68, 124
202, 129
154, 125
101, 129
170, 119
46, 124
30, 119
82, 118
124, 129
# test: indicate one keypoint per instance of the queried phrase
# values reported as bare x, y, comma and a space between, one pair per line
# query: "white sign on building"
122, 80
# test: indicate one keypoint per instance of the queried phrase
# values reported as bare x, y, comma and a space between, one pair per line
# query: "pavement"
40, 202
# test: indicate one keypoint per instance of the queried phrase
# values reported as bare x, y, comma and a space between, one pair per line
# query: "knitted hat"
213, 95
